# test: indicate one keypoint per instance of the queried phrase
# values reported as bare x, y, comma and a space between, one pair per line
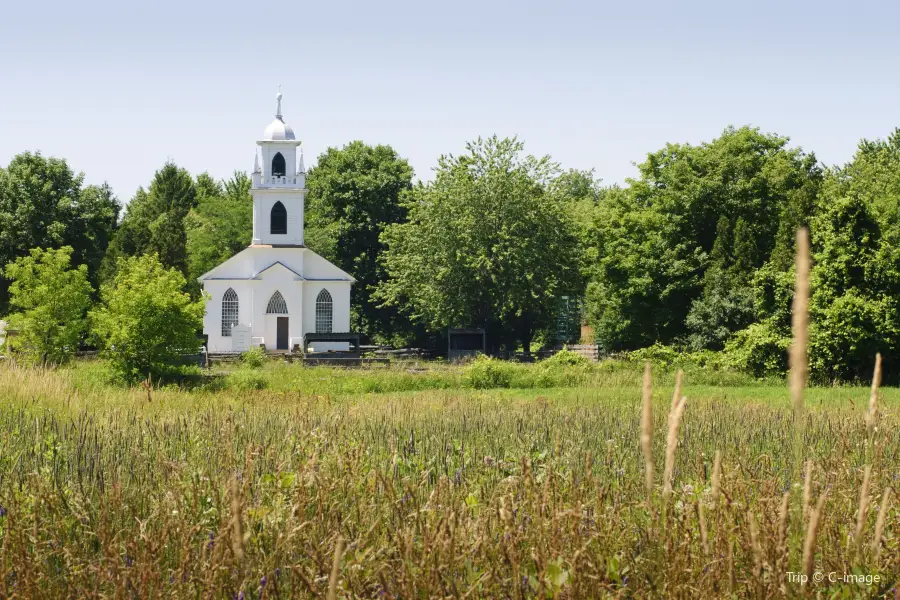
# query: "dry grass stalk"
671, 445
237, 525
677, 394
807, 488
879, 524
872, 413
335, 569
757, 549
704, 533
782, 526
809, 544
716, 477
647, 429
798, 356
863, 509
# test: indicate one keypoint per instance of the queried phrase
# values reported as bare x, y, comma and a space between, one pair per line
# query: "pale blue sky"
116, 88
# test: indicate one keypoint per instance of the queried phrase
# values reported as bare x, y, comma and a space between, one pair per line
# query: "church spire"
278, 110
301, 168
256, 162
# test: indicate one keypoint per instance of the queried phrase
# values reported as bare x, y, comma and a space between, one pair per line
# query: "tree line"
694, 253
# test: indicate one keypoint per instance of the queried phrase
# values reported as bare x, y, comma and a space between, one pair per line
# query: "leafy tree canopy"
487, 243
220, 225
154, 221
354, 194
146, 322
657, 239
43, 204
49, 299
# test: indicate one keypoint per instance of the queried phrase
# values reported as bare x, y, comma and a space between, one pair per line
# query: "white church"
276, 290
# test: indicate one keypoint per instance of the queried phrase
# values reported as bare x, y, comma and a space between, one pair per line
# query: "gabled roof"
330, 271
277, 262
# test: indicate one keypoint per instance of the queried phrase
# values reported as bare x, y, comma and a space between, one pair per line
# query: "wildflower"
277, 572
3, 510
262, 582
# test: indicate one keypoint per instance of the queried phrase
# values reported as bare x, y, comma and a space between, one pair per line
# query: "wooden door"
281, 342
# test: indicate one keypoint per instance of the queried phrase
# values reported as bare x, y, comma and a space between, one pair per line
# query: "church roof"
278, 130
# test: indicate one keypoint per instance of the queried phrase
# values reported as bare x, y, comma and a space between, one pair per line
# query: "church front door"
281, 342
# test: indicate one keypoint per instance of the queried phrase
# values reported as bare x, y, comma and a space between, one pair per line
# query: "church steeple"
280, 181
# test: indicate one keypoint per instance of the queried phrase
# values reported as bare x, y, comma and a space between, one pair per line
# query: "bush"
254, 358
245, 380
566, 358
760, 350
146, 323
485, 373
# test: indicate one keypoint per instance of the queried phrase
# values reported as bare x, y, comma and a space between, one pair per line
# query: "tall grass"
436, 493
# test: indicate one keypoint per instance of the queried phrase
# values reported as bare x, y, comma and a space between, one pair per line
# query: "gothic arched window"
229, 311
277, 305
278, 166
323, 312
279, 219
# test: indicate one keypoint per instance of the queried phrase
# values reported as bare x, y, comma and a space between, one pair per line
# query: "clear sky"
117, 88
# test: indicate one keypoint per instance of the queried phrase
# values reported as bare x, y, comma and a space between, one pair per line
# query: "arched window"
323, 312
229, 311
279, 219
278, 166
277, 305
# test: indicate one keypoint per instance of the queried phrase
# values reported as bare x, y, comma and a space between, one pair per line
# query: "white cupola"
278, 185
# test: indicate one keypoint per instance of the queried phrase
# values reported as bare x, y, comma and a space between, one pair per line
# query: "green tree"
49, 300
146, 322
220, 225
154, 221
486, 244
354, 194
655, 239
43, 204
853, 309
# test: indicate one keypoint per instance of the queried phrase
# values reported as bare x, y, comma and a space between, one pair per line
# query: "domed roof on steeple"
278, 130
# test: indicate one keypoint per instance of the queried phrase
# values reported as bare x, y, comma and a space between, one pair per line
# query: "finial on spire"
256, 162
278, 97
301, 168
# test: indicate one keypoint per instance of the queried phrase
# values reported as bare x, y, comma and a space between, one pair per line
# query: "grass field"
416, 482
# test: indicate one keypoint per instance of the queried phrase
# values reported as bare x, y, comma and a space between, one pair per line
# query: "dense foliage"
43, 204
49, 299
354, 194
487, 244
694, 253
146, 322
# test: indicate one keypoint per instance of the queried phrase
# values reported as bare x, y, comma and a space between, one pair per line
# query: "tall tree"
220, 225
655, 239
49, 299
354, 194
154, 221
43, 204
486, 244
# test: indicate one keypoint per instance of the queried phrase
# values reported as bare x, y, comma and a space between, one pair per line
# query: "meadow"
423, 481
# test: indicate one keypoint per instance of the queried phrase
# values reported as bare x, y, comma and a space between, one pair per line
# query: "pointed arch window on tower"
278, 219
279, 167
324, 312
277, 305
229, 311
